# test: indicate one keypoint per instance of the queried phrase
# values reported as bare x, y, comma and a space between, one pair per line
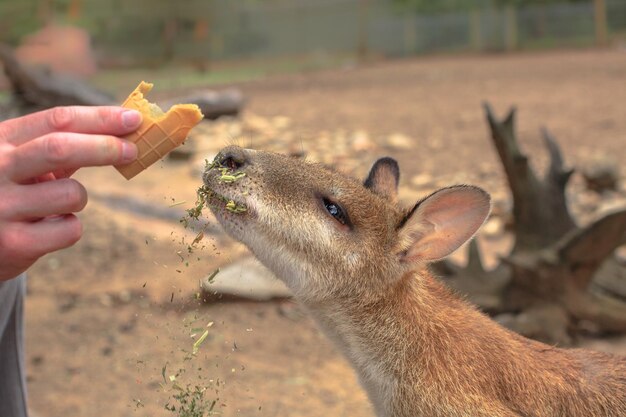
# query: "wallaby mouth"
222, 191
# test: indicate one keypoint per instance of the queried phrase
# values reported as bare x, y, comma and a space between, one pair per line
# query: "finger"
25, 242
104, 120
35, 201
67, 151
65, 173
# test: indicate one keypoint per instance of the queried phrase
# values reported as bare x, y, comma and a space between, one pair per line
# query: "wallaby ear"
384, 177
442, 222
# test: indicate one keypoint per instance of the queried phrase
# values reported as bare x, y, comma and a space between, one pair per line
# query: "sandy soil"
110, 320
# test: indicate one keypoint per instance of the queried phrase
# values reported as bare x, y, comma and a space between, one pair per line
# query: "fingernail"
129, 151
131, 118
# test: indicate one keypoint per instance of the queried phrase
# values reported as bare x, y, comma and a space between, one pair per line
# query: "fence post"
170, 29
45, 12
362, 43
602, 32
216, 38
410, 35
476, 42
74, 9
201, 36
510, 24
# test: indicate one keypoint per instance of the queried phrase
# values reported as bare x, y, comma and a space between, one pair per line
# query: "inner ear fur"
442, 222
383, 178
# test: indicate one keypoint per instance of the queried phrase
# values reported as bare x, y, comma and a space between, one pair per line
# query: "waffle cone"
159, 132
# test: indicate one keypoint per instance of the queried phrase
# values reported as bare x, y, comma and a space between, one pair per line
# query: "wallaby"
359, 264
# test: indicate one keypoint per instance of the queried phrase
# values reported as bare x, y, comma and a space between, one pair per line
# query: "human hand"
38, 154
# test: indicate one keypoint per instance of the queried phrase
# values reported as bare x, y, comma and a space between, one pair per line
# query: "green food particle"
191, 402
230, 178
196, 345
202, 195
235, 208
198, 238
211, 277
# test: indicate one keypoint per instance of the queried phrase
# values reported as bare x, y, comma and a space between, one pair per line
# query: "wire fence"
215, 30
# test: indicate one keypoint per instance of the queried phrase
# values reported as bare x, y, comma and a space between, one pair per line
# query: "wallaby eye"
336, 211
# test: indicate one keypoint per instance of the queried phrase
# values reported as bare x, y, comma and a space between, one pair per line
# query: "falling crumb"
196, 345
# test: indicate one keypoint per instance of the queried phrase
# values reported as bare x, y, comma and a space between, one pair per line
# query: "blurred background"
133, 320
252, 37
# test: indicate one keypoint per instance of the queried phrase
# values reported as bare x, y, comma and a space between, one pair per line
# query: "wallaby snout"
233, 157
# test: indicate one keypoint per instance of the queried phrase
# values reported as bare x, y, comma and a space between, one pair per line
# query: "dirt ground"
110, 321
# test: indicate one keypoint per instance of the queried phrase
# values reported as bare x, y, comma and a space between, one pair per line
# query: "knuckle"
56, 148
107, 117
11, 246
5, 163
74, 196
60, 118
111, 147
7, 204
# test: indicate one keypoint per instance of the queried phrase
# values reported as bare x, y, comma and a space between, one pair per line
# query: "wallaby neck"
401, 333
414, 316
420, 350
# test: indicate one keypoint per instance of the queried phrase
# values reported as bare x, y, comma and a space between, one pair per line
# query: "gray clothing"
12, 371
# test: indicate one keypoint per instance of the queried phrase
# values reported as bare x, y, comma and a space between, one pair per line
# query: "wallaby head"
329, 235
358, 261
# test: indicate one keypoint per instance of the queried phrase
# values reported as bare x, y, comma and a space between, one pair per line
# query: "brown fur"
418, 349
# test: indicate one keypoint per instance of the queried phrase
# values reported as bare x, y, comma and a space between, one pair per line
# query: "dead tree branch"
558, 277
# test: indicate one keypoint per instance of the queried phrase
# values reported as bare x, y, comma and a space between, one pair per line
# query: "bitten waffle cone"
159, 132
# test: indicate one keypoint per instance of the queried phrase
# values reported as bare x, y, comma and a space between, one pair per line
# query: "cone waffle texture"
159, 132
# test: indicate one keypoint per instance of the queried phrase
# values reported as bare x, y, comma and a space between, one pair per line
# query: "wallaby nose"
232, 158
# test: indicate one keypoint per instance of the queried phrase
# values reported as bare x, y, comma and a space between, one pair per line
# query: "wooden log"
539, 206
213, 104
36, 89
563, 277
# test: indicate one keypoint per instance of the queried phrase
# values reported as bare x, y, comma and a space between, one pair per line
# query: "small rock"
610, 206
620, 255
546, 323
54, 263
361, 141
281, 122
422, 180
125, 296
399, 141
254, 123
493, 228
601, 173
105, 300
587, 200
409, 195
502, 205
247, 278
